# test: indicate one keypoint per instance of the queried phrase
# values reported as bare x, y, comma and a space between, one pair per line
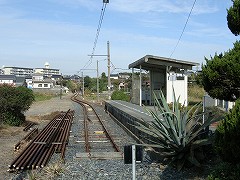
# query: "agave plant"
178, 133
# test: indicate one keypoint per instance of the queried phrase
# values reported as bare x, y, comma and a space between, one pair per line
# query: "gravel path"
48, 106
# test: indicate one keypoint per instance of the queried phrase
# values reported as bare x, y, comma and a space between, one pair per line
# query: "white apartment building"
18, 71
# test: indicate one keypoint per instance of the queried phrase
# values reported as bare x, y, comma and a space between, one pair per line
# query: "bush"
13, 119
225, 171
13, 102
120, 95
227, 136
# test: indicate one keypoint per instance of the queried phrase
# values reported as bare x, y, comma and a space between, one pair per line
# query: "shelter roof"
150, 62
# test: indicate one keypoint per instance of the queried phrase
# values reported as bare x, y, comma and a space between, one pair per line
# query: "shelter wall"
178, 82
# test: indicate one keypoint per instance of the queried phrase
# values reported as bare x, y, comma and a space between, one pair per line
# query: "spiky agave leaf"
176, 130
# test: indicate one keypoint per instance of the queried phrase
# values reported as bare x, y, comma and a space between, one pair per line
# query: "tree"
227, 136
220, 76
87, 81
103, 82
120, 95
13, 102
233, 17
72, 86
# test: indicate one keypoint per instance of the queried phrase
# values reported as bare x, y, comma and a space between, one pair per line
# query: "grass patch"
42, 96
195, 94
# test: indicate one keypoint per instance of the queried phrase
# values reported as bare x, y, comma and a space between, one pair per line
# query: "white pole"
97, 83
133, 162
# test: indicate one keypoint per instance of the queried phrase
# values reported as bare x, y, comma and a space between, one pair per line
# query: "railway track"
98, 142
53, 138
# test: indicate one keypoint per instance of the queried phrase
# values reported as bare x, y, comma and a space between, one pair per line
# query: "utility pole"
61, 87
109, 81
108, 58
97, 83
82, 86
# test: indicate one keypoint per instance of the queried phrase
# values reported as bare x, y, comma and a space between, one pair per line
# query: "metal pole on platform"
133, 162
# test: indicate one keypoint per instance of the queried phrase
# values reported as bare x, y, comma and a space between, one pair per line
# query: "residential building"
113, 76
39, 82
45, 84
47, 71
124, 75
8, 79
18, 71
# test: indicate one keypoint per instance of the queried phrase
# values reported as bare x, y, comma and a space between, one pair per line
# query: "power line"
183, 28
97, 34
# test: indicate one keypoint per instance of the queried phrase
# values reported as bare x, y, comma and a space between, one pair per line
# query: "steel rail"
83, 104
39, 151
85, 117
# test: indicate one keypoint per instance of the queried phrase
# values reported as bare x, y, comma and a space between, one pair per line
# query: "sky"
62, 32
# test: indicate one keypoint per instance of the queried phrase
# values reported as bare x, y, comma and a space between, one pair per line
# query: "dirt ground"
40, 113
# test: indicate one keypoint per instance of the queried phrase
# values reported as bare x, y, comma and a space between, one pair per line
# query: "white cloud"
169, 6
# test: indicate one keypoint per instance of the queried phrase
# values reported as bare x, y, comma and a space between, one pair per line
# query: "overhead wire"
183, 28
97, 35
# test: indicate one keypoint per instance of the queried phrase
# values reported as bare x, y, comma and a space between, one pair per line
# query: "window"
39, 85
45, 85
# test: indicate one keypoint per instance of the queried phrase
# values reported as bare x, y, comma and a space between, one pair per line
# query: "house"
45, 84
39, 82
124, 75
8, 79
113, 76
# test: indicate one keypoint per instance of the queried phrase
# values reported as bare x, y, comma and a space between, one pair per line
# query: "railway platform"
127, 114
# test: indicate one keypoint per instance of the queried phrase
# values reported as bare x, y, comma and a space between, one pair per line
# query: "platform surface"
134, 110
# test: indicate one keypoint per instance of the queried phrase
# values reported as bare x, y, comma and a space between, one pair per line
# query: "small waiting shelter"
165, 74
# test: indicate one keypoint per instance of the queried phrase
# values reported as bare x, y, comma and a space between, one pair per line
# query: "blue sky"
62, 32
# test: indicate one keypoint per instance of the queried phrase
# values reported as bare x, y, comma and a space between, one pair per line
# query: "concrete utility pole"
109, 80
61, 87
108, 58
82, 86
97, 83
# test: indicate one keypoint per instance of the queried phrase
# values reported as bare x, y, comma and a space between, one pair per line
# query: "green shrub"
120, 95
227, 136
178, 134
13, 118
13, 102
225, 171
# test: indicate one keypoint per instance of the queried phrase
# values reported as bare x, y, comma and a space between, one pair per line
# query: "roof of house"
7, 77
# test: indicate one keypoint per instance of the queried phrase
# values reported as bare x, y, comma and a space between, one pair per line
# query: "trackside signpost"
133, 154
